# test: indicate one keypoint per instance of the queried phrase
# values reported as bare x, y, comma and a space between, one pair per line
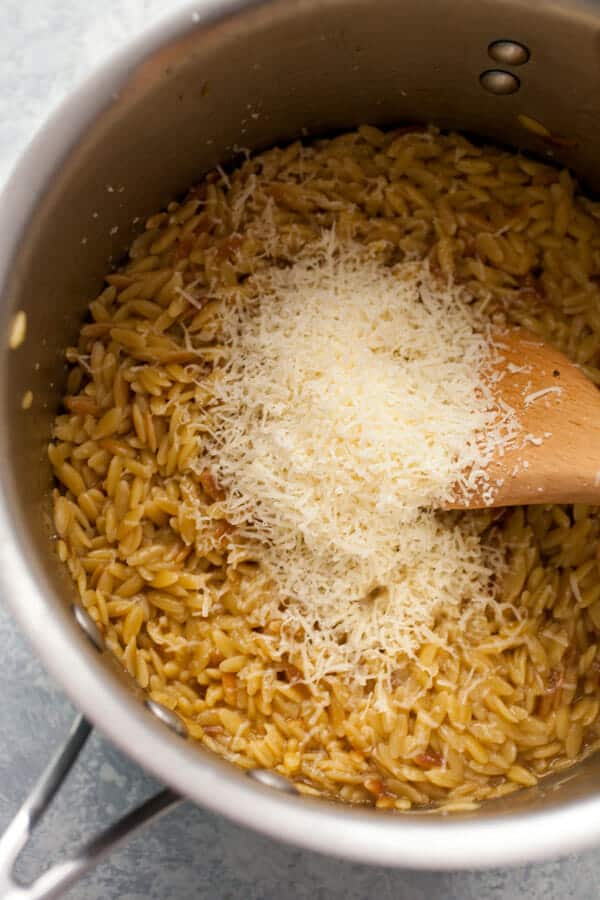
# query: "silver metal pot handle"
58, 878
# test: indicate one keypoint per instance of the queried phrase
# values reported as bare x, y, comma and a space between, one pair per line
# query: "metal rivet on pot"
496, 81
88, 626
272, 780
167, 717
509, 53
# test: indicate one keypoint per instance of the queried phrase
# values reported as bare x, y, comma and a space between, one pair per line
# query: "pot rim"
370, 836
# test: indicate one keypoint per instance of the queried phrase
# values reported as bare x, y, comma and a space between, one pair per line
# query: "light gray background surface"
45, 47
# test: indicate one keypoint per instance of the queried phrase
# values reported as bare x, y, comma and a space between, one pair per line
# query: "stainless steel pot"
187, 95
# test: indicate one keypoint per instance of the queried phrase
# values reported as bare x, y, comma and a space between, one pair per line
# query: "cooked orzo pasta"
457, 721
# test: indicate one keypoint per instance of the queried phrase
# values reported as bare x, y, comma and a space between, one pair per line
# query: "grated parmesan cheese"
350, 406
537, 395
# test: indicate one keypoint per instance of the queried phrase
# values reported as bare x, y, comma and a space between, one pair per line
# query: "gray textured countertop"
46, 46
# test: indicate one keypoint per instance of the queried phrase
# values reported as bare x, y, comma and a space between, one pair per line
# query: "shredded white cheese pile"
350, 406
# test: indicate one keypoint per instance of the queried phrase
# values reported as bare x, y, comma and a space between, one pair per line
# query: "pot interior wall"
270, 73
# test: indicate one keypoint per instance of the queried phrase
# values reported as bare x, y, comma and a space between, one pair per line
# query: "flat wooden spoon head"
556, 459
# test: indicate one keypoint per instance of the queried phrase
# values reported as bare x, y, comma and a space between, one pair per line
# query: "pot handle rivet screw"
499, 82
509, 53
88, 626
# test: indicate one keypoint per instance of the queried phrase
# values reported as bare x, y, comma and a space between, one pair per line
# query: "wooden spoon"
558, 458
